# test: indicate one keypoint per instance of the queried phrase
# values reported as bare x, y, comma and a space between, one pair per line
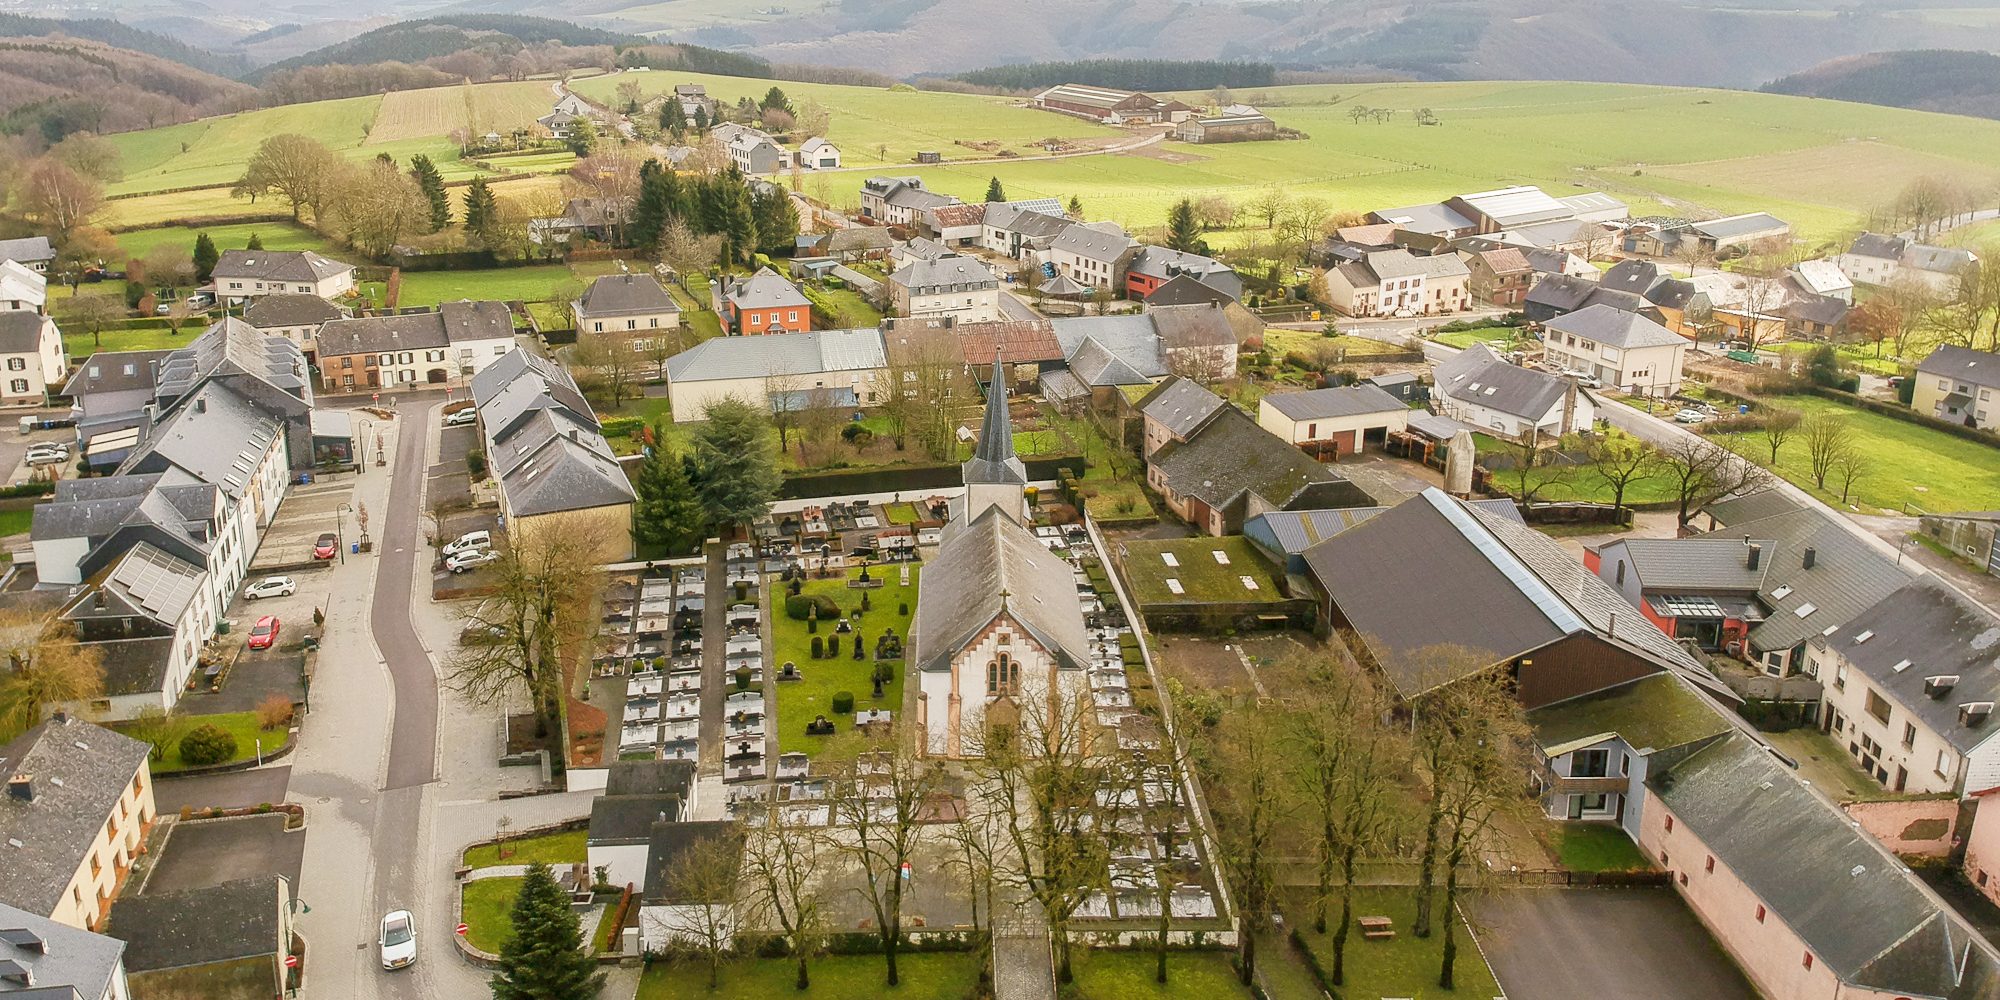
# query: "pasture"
435, 112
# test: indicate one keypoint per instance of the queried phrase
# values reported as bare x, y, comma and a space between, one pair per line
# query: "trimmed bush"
797, 607
207, 744
819, 647
843, 702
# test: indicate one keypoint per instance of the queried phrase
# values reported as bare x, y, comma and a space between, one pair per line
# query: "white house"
1093, 256
22, 288
146, 615
1622, 349
1876, 259
671, 913
1015, 228
31, 357
244, 274
1333, 423
625, 303
1824, 277
1482, 389
638, 796
817, 153
958, 287
35, 251
849, 364
1597, 749
293, 316
899, 201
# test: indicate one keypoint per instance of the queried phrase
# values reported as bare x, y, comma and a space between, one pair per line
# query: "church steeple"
994, 475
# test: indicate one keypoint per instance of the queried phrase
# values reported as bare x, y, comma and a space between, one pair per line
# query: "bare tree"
785, 863
1849, 466
819, 421
1691, 254
544, 588
93, 313
1215, 211
707, 878
1777, 428
885, 796
977, 840
1827, 435
1268, 204
298, 168
1699, 472
1300, 224
1618, 461
787, 393
61, 198
1151, 794
1530, 476
1249, 798
927, 383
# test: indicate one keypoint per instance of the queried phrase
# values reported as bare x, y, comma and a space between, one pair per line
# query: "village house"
817, 153
22, 289
246, 274
31, 351
953, 225
1154, 266
1501, 277
962, 288
1596, 749
1399, 283
1111, 107
637, 795
601, 219
1225, 127
756, 153
1021, 229
672, 915
445, 346
109, 392
1480, 388
1879, 260
1104, 354
765, 303
1093, 257
1330, 424
1959, 385
626, 303
62, 962
293, 316
899, 201
34, 251
146, 614
848, 365
1823, 277
1623, 350
544, 446
243, 935
79, 802
1745, 307
1677, 304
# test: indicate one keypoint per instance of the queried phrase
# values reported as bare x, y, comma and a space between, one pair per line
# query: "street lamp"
339, 533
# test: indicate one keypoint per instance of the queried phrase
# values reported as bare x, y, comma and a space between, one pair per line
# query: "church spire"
994, 461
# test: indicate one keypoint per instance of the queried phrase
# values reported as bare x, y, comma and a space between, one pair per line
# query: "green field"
1112, 974
1402, 966
939, 975
488, 912
213, 150
275, 236
1909, 464
534, 282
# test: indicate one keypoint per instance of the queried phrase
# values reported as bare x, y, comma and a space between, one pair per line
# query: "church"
999, 626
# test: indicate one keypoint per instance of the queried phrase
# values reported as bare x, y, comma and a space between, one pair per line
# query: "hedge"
797, 607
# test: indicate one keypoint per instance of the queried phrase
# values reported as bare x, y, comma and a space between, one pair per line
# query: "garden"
560, 847
1401, 966
1119, 974
190, 741
836, 686
1904, 466
1598, 847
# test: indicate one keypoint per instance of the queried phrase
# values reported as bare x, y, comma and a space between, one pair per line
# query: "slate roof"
808, 352
238, 919
1437, 426
217, 437
1620, 329
228, 347
28, 250
766, 290
1161, 262
626, 295
666, 845
1943, 260
989, 567
1298, 530
1180, 405
817, 143
944, 274
1927, 629
1230, 458
1198, 326
629, 819
650, 777
1739, 225
1704, 564
543, 439
1848, 576
1879, 246
1486, 582
1095, 364
1027, 218
1963, 365
993, 459
1751, 506
853, 239
1343, 401
1093, 244
106, 371
1854, 905
277, 265
1824, 310
289, 309
1428, 219
56, 830
1821, 277
57, 955
21, 331
1561, 292
1186, 289
924, 248
1478, 376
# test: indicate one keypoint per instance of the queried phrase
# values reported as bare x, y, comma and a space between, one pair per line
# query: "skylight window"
1781, 593
1221, 557
1168, 558
1806, 609
1901, 665
1864, 637
1175, 586
1248, 583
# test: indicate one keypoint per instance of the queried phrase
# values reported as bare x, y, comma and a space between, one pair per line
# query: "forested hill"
1128, 74
416, 41
1958, 82
122, 36
53, 86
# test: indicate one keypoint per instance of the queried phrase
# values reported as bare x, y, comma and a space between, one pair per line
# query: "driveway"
203, 853
229, 790
1643, 944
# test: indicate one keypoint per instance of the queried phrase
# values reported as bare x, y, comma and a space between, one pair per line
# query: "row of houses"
546, 450
759, 153
33, 362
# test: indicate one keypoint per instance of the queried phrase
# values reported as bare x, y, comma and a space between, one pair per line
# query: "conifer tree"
482, 212
994, 192
669, 513
1184, 230
431, 183
544, 960
205, 257
256, 243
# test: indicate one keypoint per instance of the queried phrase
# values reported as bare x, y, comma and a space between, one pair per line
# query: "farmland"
435, 112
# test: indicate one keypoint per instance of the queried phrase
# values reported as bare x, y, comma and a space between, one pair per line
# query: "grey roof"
1479, 376
1925, 630
1502, 588
1186, 289
57, 955
1848, 576
1181, 405
57, 828
217, 437
155, 583
858, 238
1824, 310
1199, 325
990, 567
277, 265
1751, 506
1878, 245
232, 347
944, 274
626, 294
1647, 280
28, 249
1616, 327
289, 309
1554, 233
766, 290
1343, 401
1739, 225
1943, 260
1385, 265
1062, 286
665, 847
1561, 292
1438, 427
1093, 244
1299, 530
1702, 565
1094, 364
1855, 907
21, 331
114, 371
1430, 220
451, 323
925, 248
650, 777
1133, 339
994, 461
1230, 458
629, 819
1964, 365
1161, 262
238, 919
809, 352
543, 440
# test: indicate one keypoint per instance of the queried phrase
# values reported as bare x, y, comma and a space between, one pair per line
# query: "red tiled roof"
950, 216
1019, 341
1506, 261
1379, 235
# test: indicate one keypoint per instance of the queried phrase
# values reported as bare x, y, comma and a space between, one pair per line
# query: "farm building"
1739, 230
1331, 423
848, 363
1227, 128
1112, 107
1209, 583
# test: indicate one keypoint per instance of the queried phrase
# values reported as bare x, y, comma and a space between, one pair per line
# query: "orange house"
766, 303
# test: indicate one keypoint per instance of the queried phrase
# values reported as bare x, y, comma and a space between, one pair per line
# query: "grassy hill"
121, 36
1820, 164
52, 86
1963, 83
416, 41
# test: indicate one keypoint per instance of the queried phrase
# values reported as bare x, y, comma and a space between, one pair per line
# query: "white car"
460, 418
271, 586
1583, 378
40, 455
469, 541
469, 560
1689, 415
398, 941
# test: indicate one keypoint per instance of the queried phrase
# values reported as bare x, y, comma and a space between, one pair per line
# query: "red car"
327, 546
265, 633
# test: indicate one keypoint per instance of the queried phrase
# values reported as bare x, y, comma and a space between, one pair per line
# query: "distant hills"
122, 36
491, 35
52, 86
1953, 81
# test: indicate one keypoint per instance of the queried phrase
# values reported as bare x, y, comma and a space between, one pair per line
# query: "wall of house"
627, 323
978, 305
1576, 665
627, 862
662, 926
59, 560
1982, 848
1920, 827
1344, 429
1928, 399
955, 701
790, 319
1622, 807
95, 882
249, 288
1509, 425
610, 527
1768, 951
1929, 763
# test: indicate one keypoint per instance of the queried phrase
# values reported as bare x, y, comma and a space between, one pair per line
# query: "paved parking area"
450, 484
229, 790
308, 511
14, 444
204, 853
1643, 944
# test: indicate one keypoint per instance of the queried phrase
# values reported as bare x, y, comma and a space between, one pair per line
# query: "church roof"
994, 566
994, 461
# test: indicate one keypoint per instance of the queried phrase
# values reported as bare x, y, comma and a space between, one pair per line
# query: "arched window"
992, 679
1002, 676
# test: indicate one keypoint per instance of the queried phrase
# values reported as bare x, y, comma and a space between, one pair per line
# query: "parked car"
459, 418
264, 634
327, 547
271, 586
201, 300
398, 941
1583, 378
470, 559
47, 456
469, 541
1688, 415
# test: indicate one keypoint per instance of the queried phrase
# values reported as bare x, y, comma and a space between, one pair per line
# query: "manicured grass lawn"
80, 344
848, 307
936, 975
1106, 974
1908, 463
1496, 335
1598, 847
534, 282
274, 235
902, 513
15, 522
1571, 482
552, 315
802, 700
489, 904
243, 726
560, 848
1405, 965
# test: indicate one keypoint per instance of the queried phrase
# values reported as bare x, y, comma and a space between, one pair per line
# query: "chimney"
201, 405
1756, 556
97, 601
21, 788
1812, 556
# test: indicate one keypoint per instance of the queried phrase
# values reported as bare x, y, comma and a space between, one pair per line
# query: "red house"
765, 303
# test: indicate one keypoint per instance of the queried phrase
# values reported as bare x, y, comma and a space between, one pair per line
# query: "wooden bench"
1376, 928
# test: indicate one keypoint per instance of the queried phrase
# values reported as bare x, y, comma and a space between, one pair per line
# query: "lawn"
1598, 847
1207, 570
80, 344
1495, 335
1107, 974
935, 975
552, 315
243, 726
213, 150
15, 522
799, 702
534, 283
559, 848
1109, 492
1309, 342
850, 310
489, 906
274, 235
1579, 483
1908, 464
1405, 965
